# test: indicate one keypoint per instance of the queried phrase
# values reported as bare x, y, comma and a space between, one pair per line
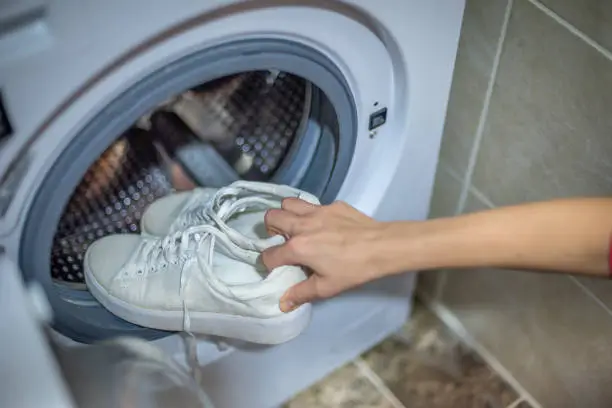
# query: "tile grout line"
482, 197
484, 113
467, 178
516, 403
571, 28
451, 172
455, 325
590, 294
377, 382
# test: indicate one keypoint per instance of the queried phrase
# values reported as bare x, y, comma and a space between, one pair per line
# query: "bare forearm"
565, 235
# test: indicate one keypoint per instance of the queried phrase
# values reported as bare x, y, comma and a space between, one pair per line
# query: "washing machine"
107, 106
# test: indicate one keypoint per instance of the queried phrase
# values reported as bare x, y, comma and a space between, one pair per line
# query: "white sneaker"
196, 281
238, 210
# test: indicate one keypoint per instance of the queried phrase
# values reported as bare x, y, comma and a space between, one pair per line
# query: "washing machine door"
30, 376
116, 127
127, 373
38, 371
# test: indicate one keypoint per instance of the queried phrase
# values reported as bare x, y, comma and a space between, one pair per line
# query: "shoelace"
194, 213
176, 249
235, 199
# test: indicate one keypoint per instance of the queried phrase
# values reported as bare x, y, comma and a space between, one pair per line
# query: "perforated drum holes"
6, 129
110, 199
264, 113
260, 113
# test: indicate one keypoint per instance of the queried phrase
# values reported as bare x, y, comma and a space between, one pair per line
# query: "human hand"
336, 242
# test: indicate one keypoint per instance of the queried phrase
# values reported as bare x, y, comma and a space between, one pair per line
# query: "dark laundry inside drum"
186, 157
240, 126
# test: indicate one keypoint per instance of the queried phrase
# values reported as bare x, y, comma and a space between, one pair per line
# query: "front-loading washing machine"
107, 106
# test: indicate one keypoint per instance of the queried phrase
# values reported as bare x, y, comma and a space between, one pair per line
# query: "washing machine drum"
265, 125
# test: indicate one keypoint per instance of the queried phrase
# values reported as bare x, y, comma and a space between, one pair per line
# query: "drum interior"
250, 120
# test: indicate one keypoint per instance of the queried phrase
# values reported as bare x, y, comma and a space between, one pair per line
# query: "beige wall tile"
543, 328
479, 35
600, 288
445, 196
549, 128
428, 283
548, 135
473, 204
593, 17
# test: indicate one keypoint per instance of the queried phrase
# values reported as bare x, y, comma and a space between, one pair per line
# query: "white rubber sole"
274, 330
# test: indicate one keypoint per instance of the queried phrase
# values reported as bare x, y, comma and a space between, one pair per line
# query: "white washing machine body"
64, 65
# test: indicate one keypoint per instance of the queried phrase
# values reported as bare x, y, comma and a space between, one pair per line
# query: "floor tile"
434, 370
521, 405
344, 388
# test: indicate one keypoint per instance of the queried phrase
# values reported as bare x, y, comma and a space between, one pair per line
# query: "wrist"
395, 248
424, 245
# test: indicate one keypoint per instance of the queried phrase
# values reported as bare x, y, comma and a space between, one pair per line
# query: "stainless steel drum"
249, 119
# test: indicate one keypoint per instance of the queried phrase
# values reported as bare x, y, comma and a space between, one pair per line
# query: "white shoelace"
228, 201
235, 199
176, 249
194, 212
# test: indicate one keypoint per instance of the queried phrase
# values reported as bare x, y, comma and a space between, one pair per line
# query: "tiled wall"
530, 118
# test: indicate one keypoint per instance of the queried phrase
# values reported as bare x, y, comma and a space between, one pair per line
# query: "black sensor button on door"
378, 118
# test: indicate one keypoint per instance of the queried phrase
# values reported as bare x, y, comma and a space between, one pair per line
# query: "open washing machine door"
201, 94
128, 372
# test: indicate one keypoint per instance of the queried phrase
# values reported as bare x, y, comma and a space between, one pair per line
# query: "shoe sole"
273, 330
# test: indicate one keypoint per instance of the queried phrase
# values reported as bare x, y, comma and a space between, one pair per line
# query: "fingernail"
287, 305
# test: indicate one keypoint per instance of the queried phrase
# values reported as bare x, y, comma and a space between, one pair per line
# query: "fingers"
298, 207
287, 221
303, 292
278, 256
282, 222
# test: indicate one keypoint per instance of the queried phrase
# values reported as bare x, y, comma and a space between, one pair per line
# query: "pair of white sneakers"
196, 266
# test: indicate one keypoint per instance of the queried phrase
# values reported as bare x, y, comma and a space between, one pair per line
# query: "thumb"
304, 292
